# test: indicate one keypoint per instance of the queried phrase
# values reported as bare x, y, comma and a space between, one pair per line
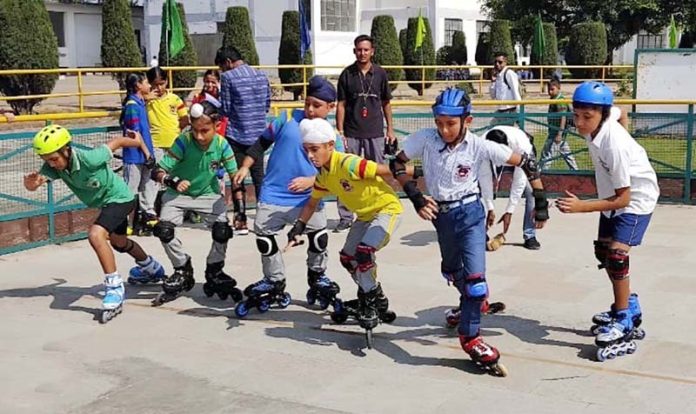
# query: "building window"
451, 26
57, 21
650, 41
338, 15
482, 27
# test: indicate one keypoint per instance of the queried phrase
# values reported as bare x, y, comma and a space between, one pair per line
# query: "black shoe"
342, 226
532, 244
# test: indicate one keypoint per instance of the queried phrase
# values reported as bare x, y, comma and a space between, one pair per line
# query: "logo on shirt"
463, 171
346, 186
93, 183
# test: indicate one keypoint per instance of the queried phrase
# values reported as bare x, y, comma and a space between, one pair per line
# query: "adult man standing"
364, 100
505, 87
245, 95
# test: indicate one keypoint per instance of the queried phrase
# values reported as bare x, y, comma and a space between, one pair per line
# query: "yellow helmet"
50, 139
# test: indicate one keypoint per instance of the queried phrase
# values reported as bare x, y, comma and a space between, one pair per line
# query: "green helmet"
50, 139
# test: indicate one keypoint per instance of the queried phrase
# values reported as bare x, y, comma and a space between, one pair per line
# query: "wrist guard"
541, 205
171, 182
415, 195
297, 230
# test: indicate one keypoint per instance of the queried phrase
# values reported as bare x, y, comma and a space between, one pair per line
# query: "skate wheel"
639, 333
594, 330
208, 290
263, 306
241, 310
237, 295
368, 337
339, 317
105, 317
311, 297
499, 370
338, 305
323, 303
387, 316
285, 300
222, 295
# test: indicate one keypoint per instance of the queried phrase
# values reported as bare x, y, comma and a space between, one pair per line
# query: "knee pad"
347, 262
363, 256
125, 249
475, 287
164, 230
617, 264
266, 245
222, 232
318, 240
601, 252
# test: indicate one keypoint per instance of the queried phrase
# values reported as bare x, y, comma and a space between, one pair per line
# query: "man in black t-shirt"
363, 104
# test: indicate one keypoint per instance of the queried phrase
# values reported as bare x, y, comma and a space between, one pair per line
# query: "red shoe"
479, 351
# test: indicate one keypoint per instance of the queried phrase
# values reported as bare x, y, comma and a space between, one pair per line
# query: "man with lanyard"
363, 103
505, 86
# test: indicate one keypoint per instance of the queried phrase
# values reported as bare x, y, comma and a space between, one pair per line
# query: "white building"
334, 23
78, 28
625, 54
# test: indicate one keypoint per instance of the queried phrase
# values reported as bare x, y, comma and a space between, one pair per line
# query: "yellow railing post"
80, 97
604, 69
541, 79
422, 80
304, 81
481, 81
170, 76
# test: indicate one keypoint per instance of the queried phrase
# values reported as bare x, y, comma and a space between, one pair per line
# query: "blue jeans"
461, 234
528, 230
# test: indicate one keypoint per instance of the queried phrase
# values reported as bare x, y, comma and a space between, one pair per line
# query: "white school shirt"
500, 91
452, 173
619, 161
518, 142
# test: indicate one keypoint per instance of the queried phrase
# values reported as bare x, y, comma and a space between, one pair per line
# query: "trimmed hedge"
425, 55
501, 41
237, 34
119, 47
587, 45
387, 47
289, 53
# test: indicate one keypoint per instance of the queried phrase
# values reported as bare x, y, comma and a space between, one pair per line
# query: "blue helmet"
593, 93
452, 102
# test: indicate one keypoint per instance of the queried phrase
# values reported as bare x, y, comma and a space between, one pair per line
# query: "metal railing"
81, 93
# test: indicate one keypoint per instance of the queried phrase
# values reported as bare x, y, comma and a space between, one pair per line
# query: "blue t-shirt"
287, 161
135, 119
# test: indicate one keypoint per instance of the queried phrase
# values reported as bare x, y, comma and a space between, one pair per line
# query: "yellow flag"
420, 31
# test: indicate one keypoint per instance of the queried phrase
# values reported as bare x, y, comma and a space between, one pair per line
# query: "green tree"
289, 53
483, 52
26, 49
387, 47
237, 33
119, 47
187, 57
587, 45
550, 56
403, 39
459, 53
424, 55
501, 41
443, 56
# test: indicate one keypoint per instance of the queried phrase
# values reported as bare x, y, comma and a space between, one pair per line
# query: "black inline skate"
322, 290
262, 295
219, 283
181, 280
368, 310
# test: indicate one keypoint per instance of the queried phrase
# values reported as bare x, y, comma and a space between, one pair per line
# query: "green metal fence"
667, 138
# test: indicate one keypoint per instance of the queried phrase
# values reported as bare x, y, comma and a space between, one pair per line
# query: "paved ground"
193, 356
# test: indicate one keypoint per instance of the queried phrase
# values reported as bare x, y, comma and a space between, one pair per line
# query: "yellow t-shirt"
355, 182
163, 114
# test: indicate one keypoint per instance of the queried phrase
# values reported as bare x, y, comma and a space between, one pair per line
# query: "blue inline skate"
114, 293
616, 338
605, 318
145, 272
322, 290
262, 295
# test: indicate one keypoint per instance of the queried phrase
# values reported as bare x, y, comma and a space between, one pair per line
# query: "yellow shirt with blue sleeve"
163, 114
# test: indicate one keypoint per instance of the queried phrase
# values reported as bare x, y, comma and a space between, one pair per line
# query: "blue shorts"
626, 228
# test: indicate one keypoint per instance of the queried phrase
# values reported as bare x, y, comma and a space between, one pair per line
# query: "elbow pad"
530, 166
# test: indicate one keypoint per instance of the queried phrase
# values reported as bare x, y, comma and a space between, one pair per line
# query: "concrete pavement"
193, 355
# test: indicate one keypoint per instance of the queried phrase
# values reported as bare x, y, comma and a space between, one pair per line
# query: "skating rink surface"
194, 356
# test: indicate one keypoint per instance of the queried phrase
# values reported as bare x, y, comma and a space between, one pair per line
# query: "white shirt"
518, 142
452, 173
501, 92
619, 162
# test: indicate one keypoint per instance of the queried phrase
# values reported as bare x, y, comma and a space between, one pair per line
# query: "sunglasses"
500, 62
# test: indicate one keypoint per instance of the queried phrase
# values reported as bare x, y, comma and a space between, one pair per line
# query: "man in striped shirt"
245, 95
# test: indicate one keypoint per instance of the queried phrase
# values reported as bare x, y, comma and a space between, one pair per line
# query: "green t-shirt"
555, 121
90, 177
187, 160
